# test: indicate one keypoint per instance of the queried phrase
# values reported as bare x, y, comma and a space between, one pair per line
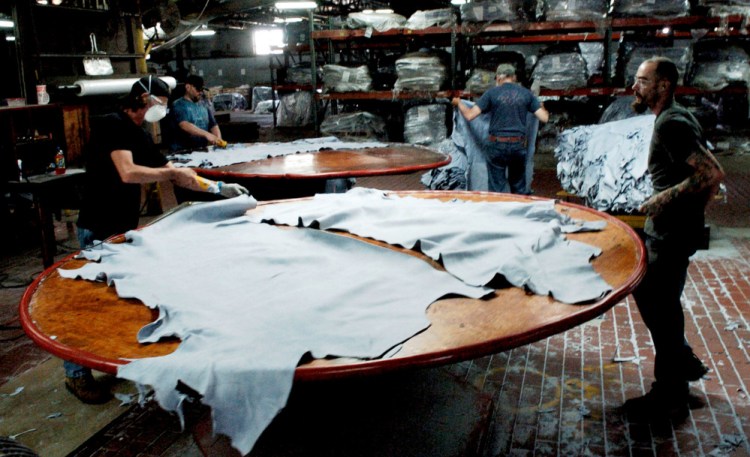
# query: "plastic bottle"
59, 162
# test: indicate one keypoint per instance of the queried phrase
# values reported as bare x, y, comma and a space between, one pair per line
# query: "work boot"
659, 404
88, 390
692, 368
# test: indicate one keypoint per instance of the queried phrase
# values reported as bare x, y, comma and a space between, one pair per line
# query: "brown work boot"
88, 390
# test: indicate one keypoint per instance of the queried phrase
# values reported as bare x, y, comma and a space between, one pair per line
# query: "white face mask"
156, 113
158, 110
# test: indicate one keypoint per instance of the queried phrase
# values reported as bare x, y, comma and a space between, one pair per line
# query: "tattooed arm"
706, 177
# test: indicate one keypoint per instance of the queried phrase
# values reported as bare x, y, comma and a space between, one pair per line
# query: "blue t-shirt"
196, 114
508, 104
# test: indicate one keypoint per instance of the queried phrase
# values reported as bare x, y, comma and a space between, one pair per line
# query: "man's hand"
231, 190
213, 139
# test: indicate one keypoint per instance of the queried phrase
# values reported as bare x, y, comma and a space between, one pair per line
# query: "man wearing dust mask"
119, 158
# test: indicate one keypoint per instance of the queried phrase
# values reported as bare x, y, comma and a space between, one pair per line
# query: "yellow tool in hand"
221, 143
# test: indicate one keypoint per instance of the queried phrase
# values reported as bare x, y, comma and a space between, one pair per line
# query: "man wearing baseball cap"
196, 125
508, 104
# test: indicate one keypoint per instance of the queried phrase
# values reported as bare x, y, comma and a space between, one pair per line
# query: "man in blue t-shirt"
196, 126
508, 104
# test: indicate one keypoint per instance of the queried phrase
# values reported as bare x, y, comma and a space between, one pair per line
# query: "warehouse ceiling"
178, 18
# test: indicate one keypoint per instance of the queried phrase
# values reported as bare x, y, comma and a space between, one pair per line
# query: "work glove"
231, 190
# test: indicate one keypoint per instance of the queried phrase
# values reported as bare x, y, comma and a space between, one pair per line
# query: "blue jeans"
658, 300
73, 370
507, 158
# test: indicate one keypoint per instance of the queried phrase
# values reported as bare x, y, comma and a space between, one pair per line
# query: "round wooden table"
87, 323
305, 174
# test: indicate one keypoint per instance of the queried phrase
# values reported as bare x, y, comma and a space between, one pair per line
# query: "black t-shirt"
677, 135
109, 206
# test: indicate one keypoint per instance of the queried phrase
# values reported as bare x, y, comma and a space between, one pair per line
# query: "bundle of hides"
635, 52
295, 109
361, 125
650, 8
607, 164
581, 10
480, 81
718, 64
260, 94
378, 21
337, 78
493, 10
420, 71
425, 124
431, 18
561, 69
451, 176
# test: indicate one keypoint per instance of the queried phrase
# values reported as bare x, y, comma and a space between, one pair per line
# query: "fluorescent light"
296, 5
203, 31
384, 11
10, 38
287, 20
6, 24
458, 2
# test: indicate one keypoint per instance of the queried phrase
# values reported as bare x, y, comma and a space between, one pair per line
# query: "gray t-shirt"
677, 135
508, 104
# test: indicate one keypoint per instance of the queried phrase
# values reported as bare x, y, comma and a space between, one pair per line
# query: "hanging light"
296, 5
6, 24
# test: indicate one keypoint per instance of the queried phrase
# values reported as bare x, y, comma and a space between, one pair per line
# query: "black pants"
658, 300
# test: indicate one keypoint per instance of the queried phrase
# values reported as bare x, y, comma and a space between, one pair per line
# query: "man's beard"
639, 106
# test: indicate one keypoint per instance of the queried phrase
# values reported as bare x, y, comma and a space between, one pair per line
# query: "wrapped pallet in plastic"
480, 81
650, 8
300, 74
377, 21
561, 69
359, 125
425, 124
578, 10
442, 17
633, 53
295, 109
716, 64
338, 78
260, 94
493, 10
420, 72
724, 8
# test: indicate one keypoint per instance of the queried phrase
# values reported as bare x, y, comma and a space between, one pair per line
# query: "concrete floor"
559, 396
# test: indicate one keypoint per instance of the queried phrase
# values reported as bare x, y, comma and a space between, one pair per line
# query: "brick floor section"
561, 395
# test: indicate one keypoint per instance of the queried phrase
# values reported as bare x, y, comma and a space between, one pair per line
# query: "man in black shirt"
120, 157
685, 176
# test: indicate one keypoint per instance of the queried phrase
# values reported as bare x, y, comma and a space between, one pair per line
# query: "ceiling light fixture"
287, 20
296, 5
458, 2
203, 31
384, 11
10, 38
6, 24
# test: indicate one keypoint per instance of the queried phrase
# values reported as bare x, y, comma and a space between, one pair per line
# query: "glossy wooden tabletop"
339, 163
87, 323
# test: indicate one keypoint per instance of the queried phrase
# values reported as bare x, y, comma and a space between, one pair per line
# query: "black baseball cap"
195, 81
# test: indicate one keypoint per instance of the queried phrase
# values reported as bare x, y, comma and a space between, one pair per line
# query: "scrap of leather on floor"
249, 300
